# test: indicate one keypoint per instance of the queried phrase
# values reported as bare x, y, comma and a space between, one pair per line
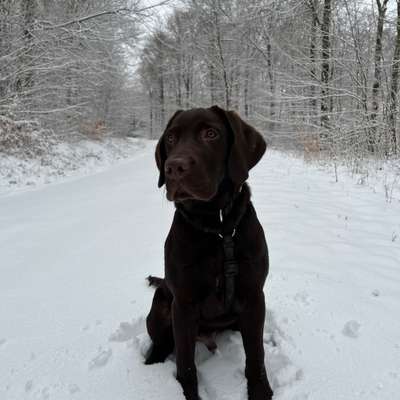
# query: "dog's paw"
157, 354
259, 391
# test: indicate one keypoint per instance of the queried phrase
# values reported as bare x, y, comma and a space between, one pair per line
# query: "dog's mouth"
178, 192
178, 195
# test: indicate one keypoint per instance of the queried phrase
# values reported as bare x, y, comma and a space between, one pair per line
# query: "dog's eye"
170, 138
210, 134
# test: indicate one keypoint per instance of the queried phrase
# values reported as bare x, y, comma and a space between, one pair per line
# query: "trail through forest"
73, 297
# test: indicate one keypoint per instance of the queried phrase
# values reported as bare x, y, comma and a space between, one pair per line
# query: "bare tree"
325, 67
65, 63
301, 71
382, 8
394, 89
315, 23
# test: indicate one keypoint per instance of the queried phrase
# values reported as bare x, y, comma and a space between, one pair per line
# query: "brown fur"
204, 157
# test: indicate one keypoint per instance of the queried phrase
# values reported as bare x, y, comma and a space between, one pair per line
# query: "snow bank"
31, 155
381, 176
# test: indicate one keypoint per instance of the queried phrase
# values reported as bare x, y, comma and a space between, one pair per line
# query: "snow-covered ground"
73, 297
63, 160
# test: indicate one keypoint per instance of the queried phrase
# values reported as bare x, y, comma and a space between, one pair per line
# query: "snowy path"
73, 260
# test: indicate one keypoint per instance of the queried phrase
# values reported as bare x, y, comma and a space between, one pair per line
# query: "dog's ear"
247, 146
161, 154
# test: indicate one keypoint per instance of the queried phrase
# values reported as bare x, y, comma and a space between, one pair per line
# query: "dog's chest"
212, 292
200, 274
195, 270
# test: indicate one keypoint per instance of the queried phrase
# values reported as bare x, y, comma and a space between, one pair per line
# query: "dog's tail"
155, 281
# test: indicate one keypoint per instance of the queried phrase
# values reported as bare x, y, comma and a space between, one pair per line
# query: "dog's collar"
222, 222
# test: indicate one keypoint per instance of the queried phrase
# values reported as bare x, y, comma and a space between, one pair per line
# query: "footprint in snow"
45, 394
229, 361
351, 329
2, 341
127, 331
229, 358
28, 386
101, 359
133, 334
73, 388
302, 298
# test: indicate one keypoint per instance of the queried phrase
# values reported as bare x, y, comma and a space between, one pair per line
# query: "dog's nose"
178, 167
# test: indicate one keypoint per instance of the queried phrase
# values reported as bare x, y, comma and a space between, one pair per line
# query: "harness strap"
231, 269
230, 218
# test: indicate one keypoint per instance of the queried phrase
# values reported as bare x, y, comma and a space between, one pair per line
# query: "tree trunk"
394, 88
222, 60
179, 74
382, 7
246, 90
187, 90
4, 42
162, 99
187, 80
271, 85
313, 69
325, 67
179, 83
313, 50
151, 114
25, 80
212, 83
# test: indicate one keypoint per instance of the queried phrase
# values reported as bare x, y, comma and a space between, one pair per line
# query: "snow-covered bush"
24, 139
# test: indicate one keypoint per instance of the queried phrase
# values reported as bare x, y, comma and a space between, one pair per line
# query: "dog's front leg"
185, 325
251, 321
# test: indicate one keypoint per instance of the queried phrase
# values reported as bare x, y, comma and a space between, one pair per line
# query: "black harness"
229, 219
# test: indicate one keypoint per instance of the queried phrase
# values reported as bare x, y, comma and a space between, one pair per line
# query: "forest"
320, 76
295, 175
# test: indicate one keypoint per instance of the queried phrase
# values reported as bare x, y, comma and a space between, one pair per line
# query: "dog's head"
201, 147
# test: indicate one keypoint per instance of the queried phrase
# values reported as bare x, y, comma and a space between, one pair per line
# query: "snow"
64, 160
381, 176
351, 329
73, 296
101, 358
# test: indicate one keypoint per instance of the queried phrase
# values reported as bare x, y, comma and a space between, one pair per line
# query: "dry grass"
311, 146
93, 129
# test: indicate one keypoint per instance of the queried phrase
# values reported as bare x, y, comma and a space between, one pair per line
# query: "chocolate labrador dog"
216, 256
